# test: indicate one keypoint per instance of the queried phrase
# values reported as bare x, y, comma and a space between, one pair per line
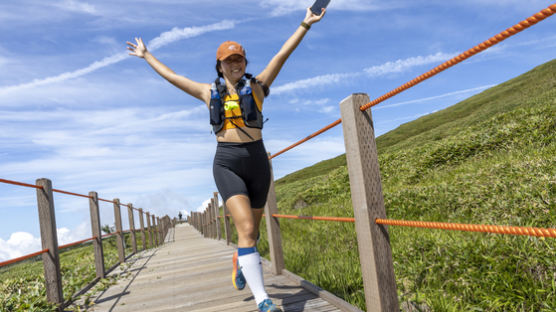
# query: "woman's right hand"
138, 49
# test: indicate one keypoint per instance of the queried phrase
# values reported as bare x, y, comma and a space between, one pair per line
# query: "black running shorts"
242, 168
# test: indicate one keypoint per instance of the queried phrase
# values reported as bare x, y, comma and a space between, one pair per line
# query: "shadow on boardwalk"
192, 274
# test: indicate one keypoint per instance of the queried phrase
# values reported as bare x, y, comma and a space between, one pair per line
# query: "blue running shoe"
268, 306
237, 277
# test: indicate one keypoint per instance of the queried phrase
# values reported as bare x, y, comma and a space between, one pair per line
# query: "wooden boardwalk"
192, 273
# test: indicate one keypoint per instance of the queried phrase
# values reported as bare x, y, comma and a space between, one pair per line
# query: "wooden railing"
156, 232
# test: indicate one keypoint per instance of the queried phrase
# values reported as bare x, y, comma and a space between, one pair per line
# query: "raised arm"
193, 88
268, 75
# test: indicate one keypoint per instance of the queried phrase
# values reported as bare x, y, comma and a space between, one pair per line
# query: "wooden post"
132, 227
95, 229
49, 240
120, 235
212, 219
227, 227
149, 233
155, 232
273, 228
217, 215
160, 231
199, 222
142, 223
205, 223
209, 221
368, 205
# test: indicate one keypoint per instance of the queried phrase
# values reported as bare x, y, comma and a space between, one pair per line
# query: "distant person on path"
241, 168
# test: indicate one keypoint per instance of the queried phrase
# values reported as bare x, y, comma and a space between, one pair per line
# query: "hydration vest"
252, 117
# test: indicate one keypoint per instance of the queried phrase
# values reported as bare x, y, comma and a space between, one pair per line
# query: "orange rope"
330, 126
76, 243
69, 193
20, 183
337, 219
106, 200
467, 54
496, 229
535, 18
23, 258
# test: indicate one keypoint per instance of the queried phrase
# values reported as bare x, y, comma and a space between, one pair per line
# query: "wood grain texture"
132, 227
194, 274
49, 240
368, 205
120, 234
95, 229
273, 228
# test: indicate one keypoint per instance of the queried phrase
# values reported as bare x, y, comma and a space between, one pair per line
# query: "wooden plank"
193, 274
368, 205
49, 240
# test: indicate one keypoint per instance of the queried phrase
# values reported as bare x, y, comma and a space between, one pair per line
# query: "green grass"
22, 284
490, 160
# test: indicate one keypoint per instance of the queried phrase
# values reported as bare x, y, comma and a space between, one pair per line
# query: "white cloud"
19, 244
312, 82
280, 7
405, 64
203, 206
397, 66
163, 39
434, 97
77, 6
22, 243
188, 32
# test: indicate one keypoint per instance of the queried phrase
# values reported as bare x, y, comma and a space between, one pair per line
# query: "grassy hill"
490, 159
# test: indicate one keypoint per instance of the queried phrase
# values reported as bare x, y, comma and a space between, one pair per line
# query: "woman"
241, 170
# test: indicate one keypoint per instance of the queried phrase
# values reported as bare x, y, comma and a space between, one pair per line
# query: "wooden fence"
50, 254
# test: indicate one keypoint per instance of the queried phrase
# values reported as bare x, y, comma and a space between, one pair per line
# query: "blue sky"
76, 109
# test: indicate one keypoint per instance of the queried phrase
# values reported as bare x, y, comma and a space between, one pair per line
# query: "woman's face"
233, 67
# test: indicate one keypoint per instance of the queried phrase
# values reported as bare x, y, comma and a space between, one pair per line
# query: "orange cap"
228, 48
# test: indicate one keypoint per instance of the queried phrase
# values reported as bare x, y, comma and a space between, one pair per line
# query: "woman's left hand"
311, 18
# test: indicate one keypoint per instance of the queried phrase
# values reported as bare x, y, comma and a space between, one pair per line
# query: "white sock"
253, 271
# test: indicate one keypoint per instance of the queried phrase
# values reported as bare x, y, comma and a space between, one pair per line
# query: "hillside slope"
502, 98
489, 159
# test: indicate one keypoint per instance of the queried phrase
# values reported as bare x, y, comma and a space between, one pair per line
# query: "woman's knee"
246, 229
